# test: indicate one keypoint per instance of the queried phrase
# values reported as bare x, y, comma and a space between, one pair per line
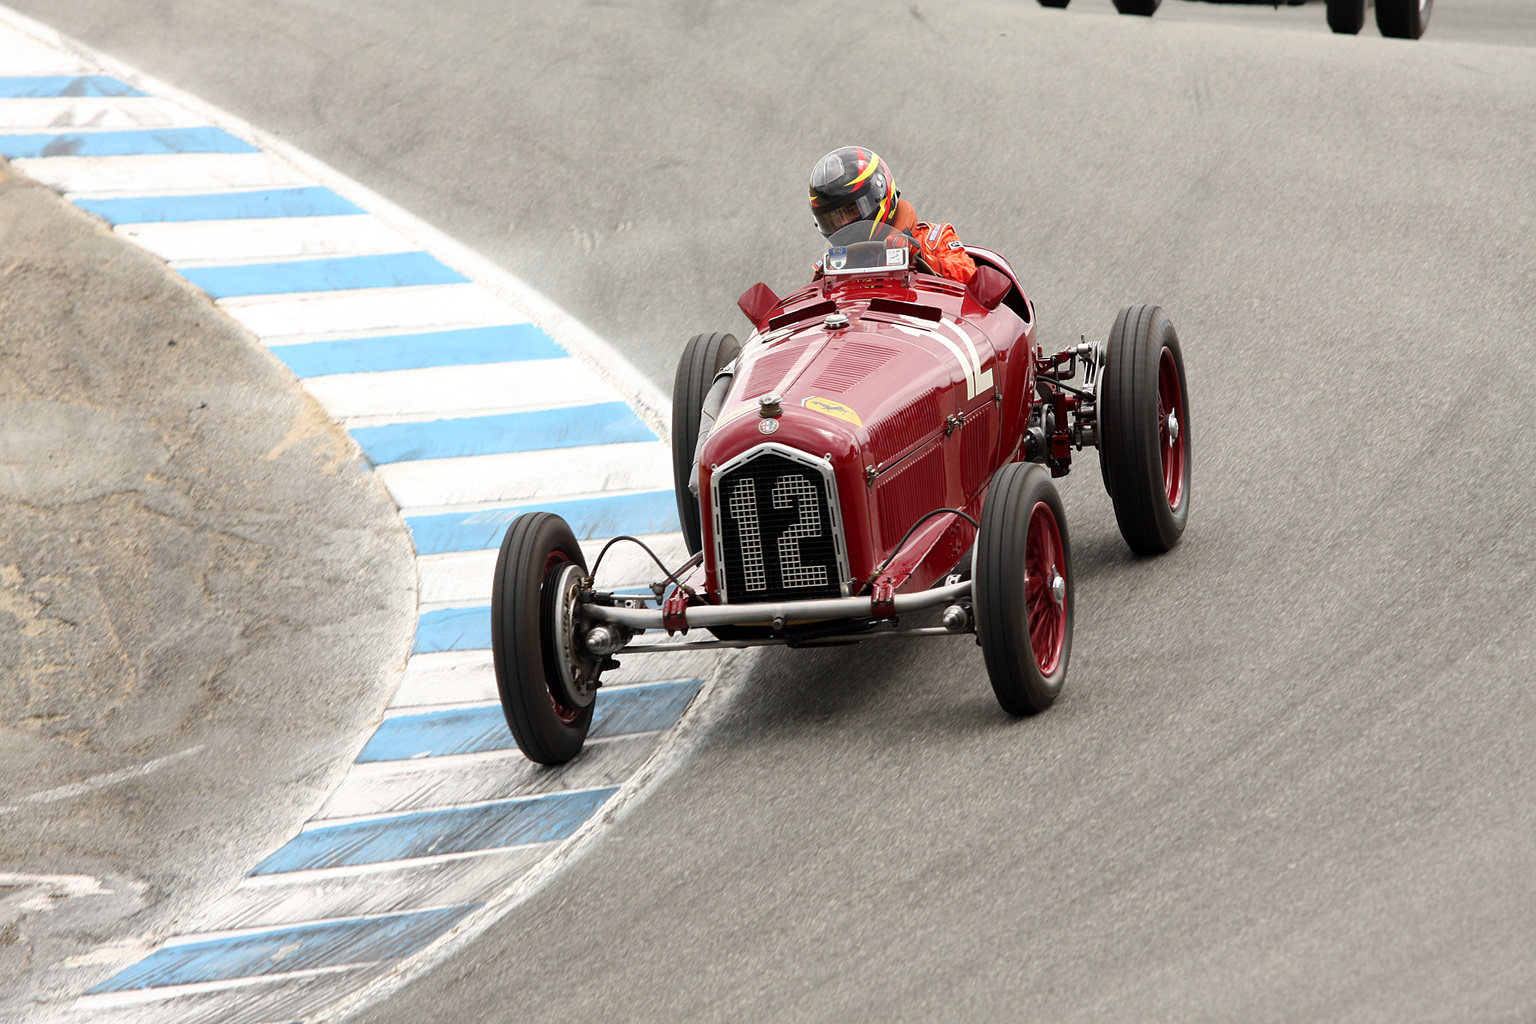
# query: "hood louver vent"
768, 371
851, 365
891, 435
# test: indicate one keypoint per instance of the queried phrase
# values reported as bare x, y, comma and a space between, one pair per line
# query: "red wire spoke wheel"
1044, 588
546, 682
1022, 589
1145, 447
1173, 438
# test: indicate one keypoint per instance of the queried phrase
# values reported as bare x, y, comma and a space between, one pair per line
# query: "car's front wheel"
1144, 8
1022, 589
546, 679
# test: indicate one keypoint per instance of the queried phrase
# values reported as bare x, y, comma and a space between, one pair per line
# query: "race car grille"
776, 533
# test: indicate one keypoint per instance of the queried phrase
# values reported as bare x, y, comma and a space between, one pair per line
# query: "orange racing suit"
938, 244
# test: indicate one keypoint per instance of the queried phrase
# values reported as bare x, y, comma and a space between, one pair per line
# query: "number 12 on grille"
781, 538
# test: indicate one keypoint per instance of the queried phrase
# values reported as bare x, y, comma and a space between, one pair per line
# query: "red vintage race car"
882, 444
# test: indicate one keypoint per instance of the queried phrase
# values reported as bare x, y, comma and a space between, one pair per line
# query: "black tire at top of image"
1346, 17
1403, 19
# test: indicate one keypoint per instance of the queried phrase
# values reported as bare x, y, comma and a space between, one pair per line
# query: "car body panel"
915, 403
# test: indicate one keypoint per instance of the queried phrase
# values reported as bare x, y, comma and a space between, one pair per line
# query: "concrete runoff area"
205, 598
1290, 776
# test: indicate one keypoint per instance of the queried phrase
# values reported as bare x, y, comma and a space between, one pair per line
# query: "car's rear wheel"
1145, 448
545, 677
1054, 3
1403, 19
1145, 8
1347, 17
1022, 589
703, 358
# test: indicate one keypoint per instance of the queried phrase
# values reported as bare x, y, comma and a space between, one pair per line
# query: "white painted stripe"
196, 936
516, 477
464, 577
160, 174
316, 823
447, 391
477, 778
446, 677
264, 239
386, 888
468, 677
611, 684
260, 1000
20, 55
110, 113
369, 310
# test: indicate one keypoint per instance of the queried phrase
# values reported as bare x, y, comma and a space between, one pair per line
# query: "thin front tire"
547, 719
1022, 590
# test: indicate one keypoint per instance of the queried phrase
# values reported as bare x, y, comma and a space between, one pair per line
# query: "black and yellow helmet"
851, 184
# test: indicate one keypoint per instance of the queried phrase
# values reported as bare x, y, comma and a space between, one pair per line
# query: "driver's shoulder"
934, 234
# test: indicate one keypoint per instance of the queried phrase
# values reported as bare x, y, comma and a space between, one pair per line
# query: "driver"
853, 183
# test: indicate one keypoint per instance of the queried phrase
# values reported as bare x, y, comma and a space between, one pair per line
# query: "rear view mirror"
757, 302
988, 286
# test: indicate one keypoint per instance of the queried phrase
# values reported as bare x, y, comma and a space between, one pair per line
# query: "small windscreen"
864, 247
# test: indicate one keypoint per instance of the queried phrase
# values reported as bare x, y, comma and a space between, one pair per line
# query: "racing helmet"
851, 184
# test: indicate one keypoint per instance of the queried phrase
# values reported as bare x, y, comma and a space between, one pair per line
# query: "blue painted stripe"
305, 947
647, 512
481, 729
139, 142
453, 629
508, 343
608, 423
15, 87
541, 819
313, 201
391, 270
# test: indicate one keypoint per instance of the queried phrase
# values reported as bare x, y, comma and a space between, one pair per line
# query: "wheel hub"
1058, 587
578, 668
1173, 428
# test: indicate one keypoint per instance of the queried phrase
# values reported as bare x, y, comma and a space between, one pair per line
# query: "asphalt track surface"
1290, 776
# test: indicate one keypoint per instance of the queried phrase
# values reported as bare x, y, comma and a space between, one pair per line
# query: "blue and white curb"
459, 385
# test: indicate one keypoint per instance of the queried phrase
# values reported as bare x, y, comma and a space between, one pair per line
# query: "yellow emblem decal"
831, 408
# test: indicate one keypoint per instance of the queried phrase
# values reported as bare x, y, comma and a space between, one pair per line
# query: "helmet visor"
862, 208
